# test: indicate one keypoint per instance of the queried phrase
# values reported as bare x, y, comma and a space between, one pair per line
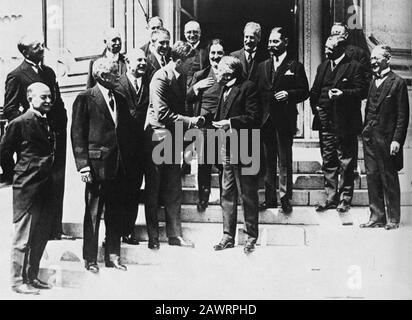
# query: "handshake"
197, 122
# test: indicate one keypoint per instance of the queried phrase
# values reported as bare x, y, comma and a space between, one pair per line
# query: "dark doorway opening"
226, 19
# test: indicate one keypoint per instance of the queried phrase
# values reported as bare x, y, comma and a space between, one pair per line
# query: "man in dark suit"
282, 84
384, 134
160, 55
154, 23
335, 100
29, 71
135, 88
167, 110
204, 93
250, 55
200, 60
113, 43
352, 51
32, 139
104, 147
238, 109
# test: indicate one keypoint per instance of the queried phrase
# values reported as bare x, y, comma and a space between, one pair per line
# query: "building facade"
72, 31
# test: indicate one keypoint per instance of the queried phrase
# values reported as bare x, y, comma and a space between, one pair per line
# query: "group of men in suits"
132, 105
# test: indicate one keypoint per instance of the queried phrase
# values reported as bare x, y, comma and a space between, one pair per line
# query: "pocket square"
289, 73
344, 80
388, 97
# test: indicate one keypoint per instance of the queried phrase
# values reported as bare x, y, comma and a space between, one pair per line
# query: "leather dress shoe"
26, 289
392, 226
154, 244
62, 236
249, 248
180, 242
38, 284
91, 266
114, 262
286, 207
202, 205
372, 224
326, 206
130, 240
225, 243
264, 206
343, 207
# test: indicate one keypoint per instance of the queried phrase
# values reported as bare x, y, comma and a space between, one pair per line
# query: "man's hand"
86, 177
203, 84
281, 96
197, 122
222, 124
395, 147
335, 94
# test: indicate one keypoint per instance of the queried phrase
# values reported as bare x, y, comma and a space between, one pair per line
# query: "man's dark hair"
181, 50
156, 33
282, 31
234, 64
216, 41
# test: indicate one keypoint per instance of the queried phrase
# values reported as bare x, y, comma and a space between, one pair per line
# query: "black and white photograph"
205, 150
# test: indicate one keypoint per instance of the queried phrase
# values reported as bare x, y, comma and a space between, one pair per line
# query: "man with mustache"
160, 56
31, 137
250, 55
154, 23
204, 93
134, 86
31, 70
113, 43
282, 84
335, 100
238, 109
384, 134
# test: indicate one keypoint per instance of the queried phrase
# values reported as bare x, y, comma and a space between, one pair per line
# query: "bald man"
134, 86
113, 45
200, 60
31, 70
31, 137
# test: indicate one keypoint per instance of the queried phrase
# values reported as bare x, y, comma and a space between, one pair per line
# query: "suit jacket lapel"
229, 101
342, 67
286, 64
101, 103
386, 86
29, 72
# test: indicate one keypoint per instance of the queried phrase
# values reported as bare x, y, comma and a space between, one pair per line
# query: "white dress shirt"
384, 75
281, 58
247, 54
133, 79
337, 61
105, 93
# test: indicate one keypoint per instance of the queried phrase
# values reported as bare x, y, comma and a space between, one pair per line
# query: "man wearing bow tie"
335, 99
103, 143
134, 86
384, 134
32, 138
250, 55
32, 70
113, 42
282, 84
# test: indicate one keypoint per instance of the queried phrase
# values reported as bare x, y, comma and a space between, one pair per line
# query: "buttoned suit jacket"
291, 77
100, 143
392, 113
346, 111
29, 139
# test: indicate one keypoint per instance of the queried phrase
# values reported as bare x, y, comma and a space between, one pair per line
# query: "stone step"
300, 181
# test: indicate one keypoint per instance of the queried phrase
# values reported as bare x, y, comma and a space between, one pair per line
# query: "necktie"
136, 86
163, 61
226, 93
276, 63
111, 100
333, 65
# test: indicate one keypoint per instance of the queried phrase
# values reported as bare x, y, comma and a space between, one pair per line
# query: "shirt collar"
132, 78
338, 60
33, 64
104, 90
281, 57
38, 113
194, 46
247, 53
112, 56
231, 83
385, 72
177, 74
